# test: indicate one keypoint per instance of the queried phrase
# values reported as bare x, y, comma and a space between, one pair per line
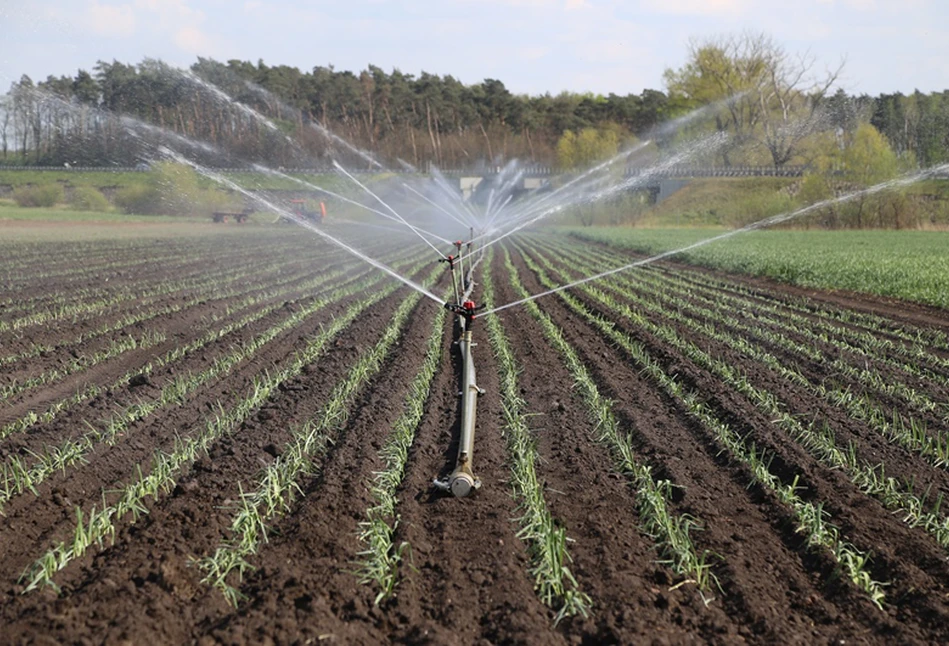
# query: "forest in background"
779, 113
777, 108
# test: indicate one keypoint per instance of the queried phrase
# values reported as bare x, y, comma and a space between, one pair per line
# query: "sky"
532, 46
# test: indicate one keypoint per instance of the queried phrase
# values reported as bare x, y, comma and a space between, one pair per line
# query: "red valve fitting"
466, 311
450, 260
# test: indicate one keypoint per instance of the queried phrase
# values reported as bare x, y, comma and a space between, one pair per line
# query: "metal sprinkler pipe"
462, 481
450, 259
461, 261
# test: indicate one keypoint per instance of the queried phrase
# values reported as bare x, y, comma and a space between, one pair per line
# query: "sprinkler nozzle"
450, 260
466, 310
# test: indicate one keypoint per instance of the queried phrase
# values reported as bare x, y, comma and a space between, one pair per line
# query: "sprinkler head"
466, 310
450, 260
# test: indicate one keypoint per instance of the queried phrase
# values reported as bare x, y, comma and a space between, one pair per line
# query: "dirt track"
469, 579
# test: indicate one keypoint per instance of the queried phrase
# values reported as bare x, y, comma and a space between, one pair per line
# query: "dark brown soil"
466, 577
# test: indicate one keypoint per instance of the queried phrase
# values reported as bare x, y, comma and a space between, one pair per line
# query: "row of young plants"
196, 280
64, 295
263, 288
380, 561
277, 486
909, 265
671, 532
18, 475
932, 338
32, 418
82, 362
190, 264
78, 268
712, 320
906, 430
94, 528
811, 518
873, 331
77, 255
546, 539
817, 438
870, 335
872, 343
278, 281
76, 309
63, 246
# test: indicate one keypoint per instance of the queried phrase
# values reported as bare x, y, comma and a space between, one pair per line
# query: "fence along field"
249, 450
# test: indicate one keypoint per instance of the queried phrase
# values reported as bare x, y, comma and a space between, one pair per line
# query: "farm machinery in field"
462, 481
304, 210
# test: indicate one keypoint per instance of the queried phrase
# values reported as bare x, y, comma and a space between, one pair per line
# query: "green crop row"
871, 479
671, 532
82, 362
911, 265
380, 560
908, 432
811, 518
100, 524
277, 486
546, 539
17, 476
915, 347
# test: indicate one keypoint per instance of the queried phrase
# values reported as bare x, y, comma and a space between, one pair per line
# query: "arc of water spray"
437, 206
220, 179
270, 96
500, 209
588, 174
715, 139
506, 188
343, 198
383, 203
442, 184
760, 224
465, 213
531, 209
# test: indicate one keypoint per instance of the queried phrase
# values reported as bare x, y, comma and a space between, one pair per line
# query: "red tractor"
304, 211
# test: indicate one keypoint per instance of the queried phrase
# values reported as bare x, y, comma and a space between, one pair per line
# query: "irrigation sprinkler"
462, 481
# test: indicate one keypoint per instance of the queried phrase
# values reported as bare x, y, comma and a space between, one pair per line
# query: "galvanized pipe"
462, 480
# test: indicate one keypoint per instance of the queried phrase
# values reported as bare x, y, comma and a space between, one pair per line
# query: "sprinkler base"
459, 485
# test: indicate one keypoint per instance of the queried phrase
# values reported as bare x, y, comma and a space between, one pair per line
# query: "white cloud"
533, 53
533, 4
194, 41
173, 13
852, 4
696, 7
109, 20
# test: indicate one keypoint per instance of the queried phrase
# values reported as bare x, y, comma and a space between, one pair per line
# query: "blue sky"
533, 46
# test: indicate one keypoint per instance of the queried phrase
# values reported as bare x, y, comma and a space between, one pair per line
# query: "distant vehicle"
238, 216
303, 209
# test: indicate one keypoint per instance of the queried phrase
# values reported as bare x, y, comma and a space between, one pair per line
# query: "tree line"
392, 116
775, 110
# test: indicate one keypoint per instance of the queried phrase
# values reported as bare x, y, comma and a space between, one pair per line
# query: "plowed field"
191, 364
